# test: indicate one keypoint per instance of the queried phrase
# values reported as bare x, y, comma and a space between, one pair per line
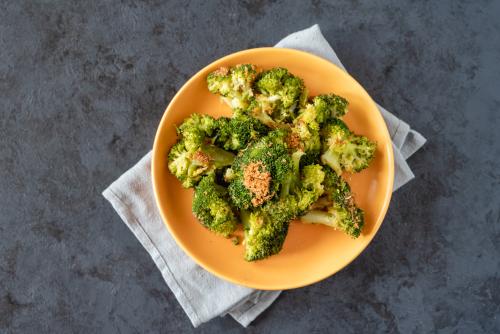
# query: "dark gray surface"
83, 87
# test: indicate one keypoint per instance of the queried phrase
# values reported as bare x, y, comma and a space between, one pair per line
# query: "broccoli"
323, 108
256, 173
311, 187
183, 166
329, 106
305, 187
195, 129
193, 155
291, 184
307, 132
235, 133
266, 227
212, 207
279, 93
256, 111
336, 208
190, 165
233, 84
344, 150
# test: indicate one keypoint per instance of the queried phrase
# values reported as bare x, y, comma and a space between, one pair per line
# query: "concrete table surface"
83, 85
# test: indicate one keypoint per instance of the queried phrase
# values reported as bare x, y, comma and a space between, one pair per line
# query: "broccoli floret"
323, 108
256, 110
193, 155
305, 187
212, 207
190, 165
307, 130
311, 187
329, 106
235, 133
258, 171
182, 166
233, 84
195, 129
291, 184
266, 229
279, 93
219, 158
344, 150
336, 208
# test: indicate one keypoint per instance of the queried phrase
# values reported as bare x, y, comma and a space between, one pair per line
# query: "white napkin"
202, 295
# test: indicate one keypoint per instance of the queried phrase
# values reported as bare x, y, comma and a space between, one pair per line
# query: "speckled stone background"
83, 85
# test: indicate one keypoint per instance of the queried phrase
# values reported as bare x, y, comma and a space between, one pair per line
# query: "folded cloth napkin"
202, 295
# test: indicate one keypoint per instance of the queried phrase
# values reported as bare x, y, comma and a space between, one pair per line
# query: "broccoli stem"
265, 118
245, 218
219, 156
319, 217
294, 177
331, 159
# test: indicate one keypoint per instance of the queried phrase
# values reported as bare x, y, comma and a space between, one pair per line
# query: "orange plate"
311, 252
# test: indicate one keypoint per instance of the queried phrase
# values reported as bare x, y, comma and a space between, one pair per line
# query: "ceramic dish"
311, 252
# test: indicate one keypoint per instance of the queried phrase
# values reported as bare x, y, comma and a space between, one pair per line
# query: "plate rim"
377, 225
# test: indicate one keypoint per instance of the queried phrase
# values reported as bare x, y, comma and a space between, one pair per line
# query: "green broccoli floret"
291, 184
233, 84
311, 187
266, 229
322, 109
336, 208
182, 166
258, 171
279, 93
307, 130
329, 106
305, 187
193, 155
190, 165
195, 129
235, 133
298, 183
212, 207
344, 150
256, 111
